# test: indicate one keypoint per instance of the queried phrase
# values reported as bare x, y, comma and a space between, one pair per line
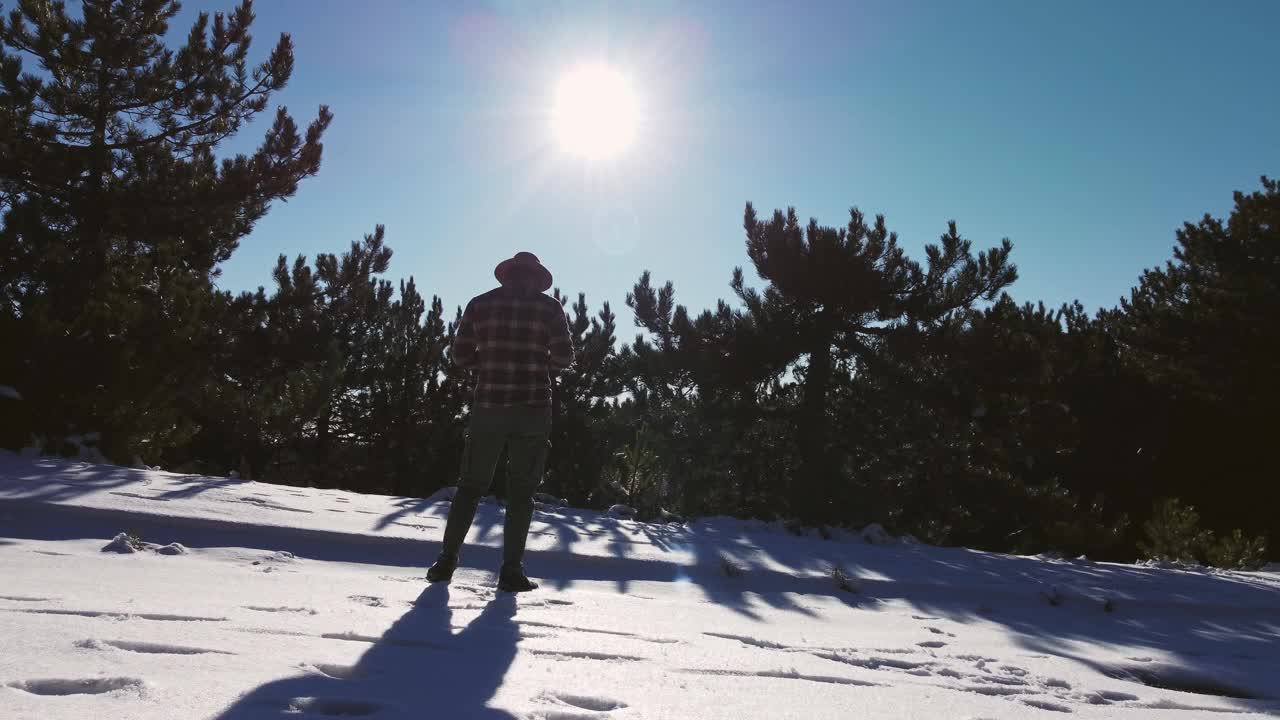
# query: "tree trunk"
812, 491
320, 463
91, 220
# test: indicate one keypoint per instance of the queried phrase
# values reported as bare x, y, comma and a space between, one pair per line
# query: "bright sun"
595, 114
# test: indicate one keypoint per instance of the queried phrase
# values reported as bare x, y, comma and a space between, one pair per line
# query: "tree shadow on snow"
1196, 631
419, 668
45, 479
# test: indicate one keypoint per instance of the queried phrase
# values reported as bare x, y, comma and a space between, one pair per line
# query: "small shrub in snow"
81, 447
1162, 564
670, 517
129, 542
125, 543
874, 534
843, 580
625, 512
1052, 596
549, 499
635, 474
1108, 605
1236, 552
1174, 534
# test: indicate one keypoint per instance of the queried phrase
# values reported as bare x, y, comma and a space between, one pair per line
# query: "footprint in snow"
415, 526
271, 505
746, 640
86, 686
932, 644
23, 598
478, 590
336, 672
375, 639
331, 707
1046, 705
584, 655
147, 648
279, 556
584, 702
996, 690
597, 631
369, 600
138, 496
781, 675
1107, 697
282, 609
125, 616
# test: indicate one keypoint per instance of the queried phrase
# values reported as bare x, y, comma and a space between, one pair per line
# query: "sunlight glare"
595, 114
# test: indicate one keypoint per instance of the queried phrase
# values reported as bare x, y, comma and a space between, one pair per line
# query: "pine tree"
354, 303
1202, 331
709, 385
409, 406
833, 294
117, 211
582, 436
989, 434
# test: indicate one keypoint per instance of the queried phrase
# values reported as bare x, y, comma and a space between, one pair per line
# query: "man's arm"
561, 346
465, 353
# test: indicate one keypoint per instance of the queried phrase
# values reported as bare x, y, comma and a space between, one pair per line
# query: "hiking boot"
443, 568
512, 579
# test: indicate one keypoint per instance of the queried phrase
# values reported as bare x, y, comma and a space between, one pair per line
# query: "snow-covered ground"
311, 603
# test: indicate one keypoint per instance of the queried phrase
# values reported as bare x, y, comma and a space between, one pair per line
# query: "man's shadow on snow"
418, 668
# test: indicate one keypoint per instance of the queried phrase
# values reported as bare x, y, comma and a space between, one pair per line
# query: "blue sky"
1086, 132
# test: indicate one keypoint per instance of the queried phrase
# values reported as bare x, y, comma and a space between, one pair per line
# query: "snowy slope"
311, 603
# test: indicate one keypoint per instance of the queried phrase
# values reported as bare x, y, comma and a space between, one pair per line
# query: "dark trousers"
525, 433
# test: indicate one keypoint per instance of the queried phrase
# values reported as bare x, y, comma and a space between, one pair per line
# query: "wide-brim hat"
524, 262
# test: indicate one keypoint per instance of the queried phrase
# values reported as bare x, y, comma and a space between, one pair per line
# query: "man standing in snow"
514, 337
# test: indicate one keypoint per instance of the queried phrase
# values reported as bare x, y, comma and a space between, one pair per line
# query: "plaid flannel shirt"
514, 342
